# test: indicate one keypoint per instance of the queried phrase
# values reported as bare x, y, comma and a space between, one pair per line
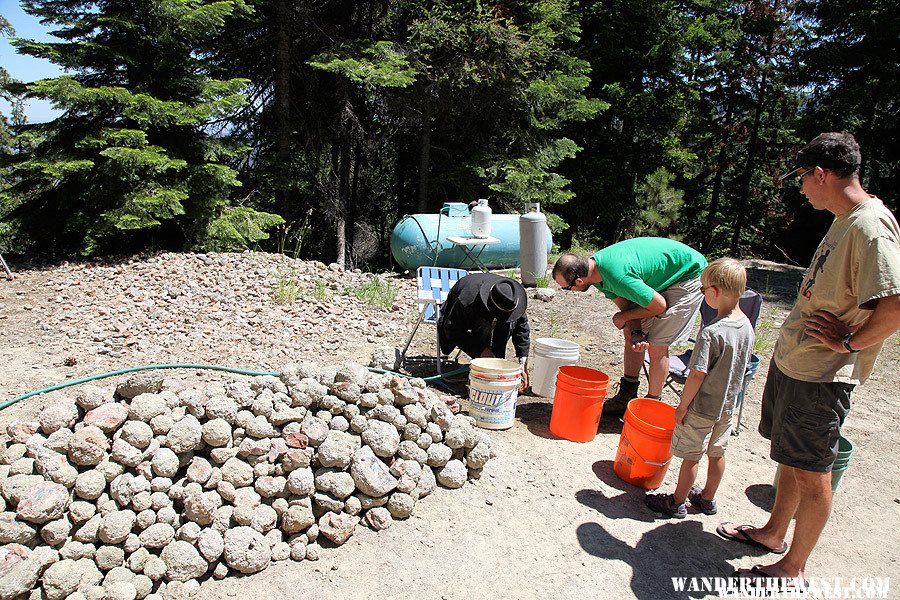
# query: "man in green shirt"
655, 283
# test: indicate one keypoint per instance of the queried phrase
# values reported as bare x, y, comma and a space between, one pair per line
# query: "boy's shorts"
697, 435
803, 420
675, 325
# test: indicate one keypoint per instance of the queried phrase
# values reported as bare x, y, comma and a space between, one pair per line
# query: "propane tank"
532, 245
481, 219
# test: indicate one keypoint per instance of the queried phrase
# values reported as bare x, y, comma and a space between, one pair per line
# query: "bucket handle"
649, 462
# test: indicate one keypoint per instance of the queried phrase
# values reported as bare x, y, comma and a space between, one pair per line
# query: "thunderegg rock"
145, 497
246, 550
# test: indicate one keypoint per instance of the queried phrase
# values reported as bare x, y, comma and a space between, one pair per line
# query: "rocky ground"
548, 518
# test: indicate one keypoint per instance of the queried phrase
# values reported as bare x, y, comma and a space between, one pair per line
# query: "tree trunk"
743, 199
282, 103
340, 230
714, 200
343, 192
425, 154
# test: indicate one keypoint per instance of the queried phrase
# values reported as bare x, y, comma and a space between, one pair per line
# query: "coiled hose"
65, 384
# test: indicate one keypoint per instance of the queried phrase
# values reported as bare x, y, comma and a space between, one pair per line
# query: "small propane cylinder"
532, 245
481, 219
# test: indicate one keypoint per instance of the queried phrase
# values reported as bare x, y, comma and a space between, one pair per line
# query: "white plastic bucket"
493, 391
549, 355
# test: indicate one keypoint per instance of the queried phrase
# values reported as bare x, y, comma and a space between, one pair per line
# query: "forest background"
310, 127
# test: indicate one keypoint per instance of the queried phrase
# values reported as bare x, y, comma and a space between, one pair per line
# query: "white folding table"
472, 248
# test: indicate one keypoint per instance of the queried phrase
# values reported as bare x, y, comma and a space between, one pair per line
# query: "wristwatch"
846, 343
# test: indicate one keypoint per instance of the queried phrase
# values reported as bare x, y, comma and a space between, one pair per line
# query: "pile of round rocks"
143, 493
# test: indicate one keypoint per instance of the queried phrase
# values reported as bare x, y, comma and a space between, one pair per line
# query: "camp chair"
751, 305
434, 283
9, 274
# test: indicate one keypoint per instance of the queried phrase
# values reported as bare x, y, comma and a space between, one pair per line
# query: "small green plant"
542, 281
318, 291
287, 288
511, 273
376, 292
583, 248
764, 331
554, 324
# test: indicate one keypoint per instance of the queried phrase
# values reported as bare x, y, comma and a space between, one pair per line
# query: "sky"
26, 68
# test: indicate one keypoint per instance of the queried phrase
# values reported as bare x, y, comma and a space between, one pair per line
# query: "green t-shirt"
634, 269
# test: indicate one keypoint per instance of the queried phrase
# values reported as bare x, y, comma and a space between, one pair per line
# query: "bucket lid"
495, 365
555, 344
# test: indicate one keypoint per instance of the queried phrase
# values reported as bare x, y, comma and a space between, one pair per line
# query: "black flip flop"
743, 537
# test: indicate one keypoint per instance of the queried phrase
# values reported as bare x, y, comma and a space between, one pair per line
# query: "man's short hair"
835, 151
571, 267
727, 274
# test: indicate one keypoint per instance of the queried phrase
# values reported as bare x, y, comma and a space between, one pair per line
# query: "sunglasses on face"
804, 174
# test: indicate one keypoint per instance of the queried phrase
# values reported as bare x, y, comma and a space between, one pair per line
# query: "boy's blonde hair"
727, 274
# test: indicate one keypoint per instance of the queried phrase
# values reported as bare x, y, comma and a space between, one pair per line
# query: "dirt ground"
548, 519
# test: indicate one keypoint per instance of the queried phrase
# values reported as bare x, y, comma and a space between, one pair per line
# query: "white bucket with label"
493, 391
549, 355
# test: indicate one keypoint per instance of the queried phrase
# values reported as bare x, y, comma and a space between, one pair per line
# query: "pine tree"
140, 152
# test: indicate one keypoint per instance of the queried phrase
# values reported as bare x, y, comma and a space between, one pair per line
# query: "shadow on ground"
670, 550
627, 505
761, 495
774, 281
535, 413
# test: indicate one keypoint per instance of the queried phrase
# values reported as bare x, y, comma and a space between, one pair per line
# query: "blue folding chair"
433, 286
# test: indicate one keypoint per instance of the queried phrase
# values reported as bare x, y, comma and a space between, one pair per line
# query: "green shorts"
803, 420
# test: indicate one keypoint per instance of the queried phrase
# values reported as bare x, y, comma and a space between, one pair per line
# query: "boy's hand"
680, 412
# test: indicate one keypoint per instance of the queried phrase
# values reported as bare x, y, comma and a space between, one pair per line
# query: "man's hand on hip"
828, 329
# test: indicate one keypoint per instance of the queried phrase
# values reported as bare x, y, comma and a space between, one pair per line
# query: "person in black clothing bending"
481, 313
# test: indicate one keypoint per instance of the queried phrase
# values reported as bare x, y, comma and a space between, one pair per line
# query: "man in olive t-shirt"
849, 303
655, 283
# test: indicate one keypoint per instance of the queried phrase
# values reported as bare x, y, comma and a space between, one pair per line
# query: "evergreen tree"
634, 50
139, 153
10, 92
850, 61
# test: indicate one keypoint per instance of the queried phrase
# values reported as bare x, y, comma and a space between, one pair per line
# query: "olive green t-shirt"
857, 262
633, 269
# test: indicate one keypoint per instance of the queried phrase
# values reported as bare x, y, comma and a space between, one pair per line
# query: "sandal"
744, 537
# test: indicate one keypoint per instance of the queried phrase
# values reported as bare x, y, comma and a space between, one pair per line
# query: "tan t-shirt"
858, 261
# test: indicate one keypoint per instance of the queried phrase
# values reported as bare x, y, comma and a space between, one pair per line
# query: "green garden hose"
66, 384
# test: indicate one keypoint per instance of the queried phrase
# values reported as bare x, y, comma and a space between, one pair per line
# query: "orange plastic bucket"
583, 377
645, 446
578, 403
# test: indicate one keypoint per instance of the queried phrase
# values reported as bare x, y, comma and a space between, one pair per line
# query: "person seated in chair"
481, 313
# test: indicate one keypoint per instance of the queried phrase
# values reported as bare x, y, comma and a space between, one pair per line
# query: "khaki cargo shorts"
698, 435
676, 324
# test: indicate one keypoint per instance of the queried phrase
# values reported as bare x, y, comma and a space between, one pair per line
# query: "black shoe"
615, 406
665, 505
